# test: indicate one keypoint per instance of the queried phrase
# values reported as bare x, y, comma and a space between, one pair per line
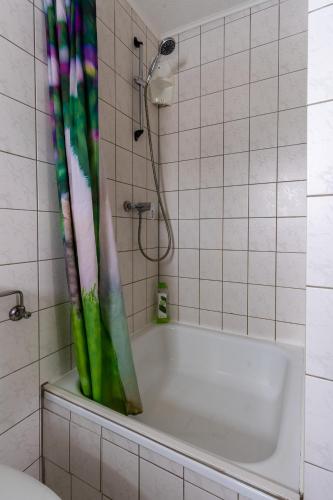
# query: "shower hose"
161, 206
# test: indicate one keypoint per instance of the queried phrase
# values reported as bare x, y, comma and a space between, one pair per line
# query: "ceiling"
173, 16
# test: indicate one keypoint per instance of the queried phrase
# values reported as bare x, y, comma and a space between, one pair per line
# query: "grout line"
277, 174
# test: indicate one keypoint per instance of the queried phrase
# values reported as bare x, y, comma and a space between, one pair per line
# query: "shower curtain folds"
99, 324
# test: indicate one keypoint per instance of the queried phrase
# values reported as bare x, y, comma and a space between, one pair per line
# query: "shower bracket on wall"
141, 83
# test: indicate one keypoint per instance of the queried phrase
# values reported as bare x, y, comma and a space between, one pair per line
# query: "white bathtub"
231, 403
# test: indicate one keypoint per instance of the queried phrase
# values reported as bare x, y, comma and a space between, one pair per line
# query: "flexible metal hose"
159, 197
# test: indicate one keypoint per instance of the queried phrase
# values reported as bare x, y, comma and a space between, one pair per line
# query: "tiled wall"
31, 256
319, 340
125, 163
233, 167
84, 461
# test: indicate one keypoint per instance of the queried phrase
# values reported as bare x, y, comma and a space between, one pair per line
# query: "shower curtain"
99, 325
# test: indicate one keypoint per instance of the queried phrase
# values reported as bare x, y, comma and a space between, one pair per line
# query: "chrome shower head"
167, 46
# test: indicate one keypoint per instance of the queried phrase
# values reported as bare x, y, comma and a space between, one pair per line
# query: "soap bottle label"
162, 305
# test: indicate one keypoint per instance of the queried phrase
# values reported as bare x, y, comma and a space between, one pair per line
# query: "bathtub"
227, 407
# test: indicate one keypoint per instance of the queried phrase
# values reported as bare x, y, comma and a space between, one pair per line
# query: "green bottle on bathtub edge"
162, 303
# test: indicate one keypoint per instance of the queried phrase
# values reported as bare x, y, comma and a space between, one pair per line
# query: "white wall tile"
264, 96
211, 77
19, 343
158, 483
262, 329
189, 53
211, 172
237, 36
236, 136
55, 365
211, 295
17, 23
320, 65
19, 447
235, 298
19, 396
212, 109
189, 84
262, 234
17, 128
17, 79
18, 236
288, 333
81, 490
189, 174
236, 103
264, 62
292, 163
291, 199
292, 127
188, 263
189, 204
189, 144
318, 415
211, 234
236, 69
265, 26
318, 483
262, 268
189, 292
293, 53
235, 266
290, 271
168, 116
290, 305
236, 169
212, 45
319, 261
120, 472
17, 182
236, 201
56, 439
193, 493
263, 131
211, 141
261, 302
262, 198
58, 480
319, 319
189, 114
233, 323
291, 234
293, 90
85, 455
263, 166
320, 151
293, 17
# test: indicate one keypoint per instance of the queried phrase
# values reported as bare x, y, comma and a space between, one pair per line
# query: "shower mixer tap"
141, 207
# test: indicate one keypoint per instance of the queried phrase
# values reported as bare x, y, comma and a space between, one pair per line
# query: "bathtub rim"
215, 468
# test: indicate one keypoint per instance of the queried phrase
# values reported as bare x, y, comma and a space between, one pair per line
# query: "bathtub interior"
212, 394
236, 400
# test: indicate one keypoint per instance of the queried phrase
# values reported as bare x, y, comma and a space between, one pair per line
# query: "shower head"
167, 46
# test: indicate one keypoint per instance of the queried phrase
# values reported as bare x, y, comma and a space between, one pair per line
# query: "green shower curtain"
99, 325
